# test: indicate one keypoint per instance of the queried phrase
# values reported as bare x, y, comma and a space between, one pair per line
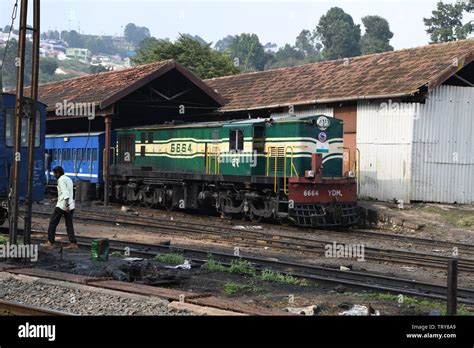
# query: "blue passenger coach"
80, 154
7, 124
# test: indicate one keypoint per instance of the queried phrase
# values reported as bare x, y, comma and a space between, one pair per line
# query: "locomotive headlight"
351, 175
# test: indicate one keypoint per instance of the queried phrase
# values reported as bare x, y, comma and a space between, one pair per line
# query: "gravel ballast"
78, 299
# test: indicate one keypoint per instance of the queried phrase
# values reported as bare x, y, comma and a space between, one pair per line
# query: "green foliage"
306, 43
224, 43
116, 254
231, 288
198, 57
410, 300
48, 65
73, 38
248, 51
3, 239
455, 216
136, 34
277, 277
96, 69
245, 267
376, 38
338, 34
242, 267
445, 24
172, 259
214, 266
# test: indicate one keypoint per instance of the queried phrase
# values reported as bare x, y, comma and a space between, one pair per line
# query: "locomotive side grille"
276, 154
126, 149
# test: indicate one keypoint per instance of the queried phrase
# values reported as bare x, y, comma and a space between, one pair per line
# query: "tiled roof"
390, 74
103, 89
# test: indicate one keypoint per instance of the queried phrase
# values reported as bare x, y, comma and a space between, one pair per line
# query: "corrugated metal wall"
443, 147
384, 135
305, 111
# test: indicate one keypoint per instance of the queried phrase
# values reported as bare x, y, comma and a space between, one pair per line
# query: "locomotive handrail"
210, 155
269, 155
292, 167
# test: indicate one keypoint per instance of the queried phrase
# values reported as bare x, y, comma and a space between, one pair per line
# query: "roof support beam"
166, 97
464, 80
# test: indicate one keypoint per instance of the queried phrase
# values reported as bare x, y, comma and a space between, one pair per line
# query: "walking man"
64, 207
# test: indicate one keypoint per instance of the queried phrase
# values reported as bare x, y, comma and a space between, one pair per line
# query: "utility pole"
20, 80
32, 121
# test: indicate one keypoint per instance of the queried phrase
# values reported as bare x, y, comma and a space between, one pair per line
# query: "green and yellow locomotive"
288, 169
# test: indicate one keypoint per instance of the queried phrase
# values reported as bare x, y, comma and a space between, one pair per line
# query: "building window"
236, 139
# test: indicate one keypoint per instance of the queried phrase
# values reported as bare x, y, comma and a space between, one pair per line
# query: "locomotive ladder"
279, 156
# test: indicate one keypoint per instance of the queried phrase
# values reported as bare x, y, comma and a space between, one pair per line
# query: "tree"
338, 34
134, 34
197, 57
286, 56
224, 43
248, 51
196, 38
96, 69
48, 65
305, 42
73, 38
376, 38
445, 24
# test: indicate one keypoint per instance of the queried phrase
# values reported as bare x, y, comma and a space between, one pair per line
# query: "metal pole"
15, 177
32, 120
108, 130
452, 287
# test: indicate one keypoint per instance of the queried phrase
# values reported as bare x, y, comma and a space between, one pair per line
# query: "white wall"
443, 147
384, 136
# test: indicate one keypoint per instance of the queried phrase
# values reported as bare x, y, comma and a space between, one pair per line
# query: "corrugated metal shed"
384, 135
443, 147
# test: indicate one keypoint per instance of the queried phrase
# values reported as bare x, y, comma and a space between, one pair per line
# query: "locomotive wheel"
255, 218
284, 222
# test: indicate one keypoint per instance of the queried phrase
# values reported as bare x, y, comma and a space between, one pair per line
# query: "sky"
277, 21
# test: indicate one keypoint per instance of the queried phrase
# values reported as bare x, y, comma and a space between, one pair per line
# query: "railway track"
9, 308
275, 240
364, 280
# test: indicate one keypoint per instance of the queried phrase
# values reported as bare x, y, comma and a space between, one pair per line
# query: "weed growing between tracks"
172, 259
409, 300
246, 268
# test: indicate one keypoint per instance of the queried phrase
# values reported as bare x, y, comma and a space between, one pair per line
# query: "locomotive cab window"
236, 139
258, 137
10, 125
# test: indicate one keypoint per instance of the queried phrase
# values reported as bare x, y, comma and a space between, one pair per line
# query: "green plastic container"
100, 250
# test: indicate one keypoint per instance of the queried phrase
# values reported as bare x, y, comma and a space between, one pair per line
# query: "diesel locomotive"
288, 169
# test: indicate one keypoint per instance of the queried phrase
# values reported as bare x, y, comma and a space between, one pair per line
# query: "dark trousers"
54, 222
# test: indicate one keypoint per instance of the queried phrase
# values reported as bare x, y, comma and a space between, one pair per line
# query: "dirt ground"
440, 222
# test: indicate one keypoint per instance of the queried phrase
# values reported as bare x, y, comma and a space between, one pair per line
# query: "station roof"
402, 73
106, 88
